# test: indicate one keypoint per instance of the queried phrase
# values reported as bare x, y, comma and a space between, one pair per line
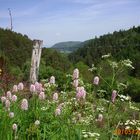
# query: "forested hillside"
67, 47
15, 47
122, 45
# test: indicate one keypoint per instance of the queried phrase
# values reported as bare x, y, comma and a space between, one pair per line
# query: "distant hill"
68, 46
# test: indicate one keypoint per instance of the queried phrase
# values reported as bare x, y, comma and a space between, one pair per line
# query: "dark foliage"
17, 48
122, 45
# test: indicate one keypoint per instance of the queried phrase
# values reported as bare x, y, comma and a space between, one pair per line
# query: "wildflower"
101, 109
81, 93
11, 114
60, 105
75, 83
96, 80
106, 56
55, 96
32, 88
3, 99
38, 87
43, 108
85, 136
113, 64
123, 97
100, 117
9, 95
20, 86
93, 68
15, 88
14, 98
7, 103
42, 96
114, 94
75, 74
127, 63
24, 104
37, 122
14, 126
52, 80
57, 111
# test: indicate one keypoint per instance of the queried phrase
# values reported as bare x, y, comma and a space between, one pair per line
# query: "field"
81, 111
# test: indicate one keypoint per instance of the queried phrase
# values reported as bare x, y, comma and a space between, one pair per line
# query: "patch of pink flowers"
9, 95
52, 80
114, 95
55, 96
75, 74
75, 83
32, 88
80, 93
42, 96
24, 104
38, 87
57, 111
96, 80
11, 114
20, 86
3, 99
60, 106
100, 118
14, 127
7, 103
14, 98
15, 88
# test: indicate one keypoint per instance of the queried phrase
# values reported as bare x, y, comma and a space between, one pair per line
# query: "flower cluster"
114, 94
20, 86
106, 56
80, 93
87, 134
127, 63
96, 80
24, 104
133, 107
124, 98
131, 124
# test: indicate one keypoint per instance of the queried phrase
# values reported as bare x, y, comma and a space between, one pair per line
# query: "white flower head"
106, 56
37, 122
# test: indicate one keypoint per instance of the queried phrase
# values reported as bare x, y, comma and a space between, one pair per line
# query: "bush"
134, 89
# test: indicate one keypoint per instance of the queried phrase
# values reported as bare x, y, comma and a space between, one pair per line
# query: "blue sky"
69, 20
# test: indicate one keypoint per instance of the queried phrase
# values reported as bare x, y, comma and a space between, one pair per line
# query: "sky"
56, 21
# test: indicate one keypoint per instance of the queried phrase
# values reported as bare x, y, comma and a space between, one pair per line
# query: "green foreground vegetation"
98, 101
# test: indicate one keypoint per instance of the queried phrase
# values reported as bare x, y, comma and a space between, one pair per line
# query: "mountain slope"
17, 48
68, 46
